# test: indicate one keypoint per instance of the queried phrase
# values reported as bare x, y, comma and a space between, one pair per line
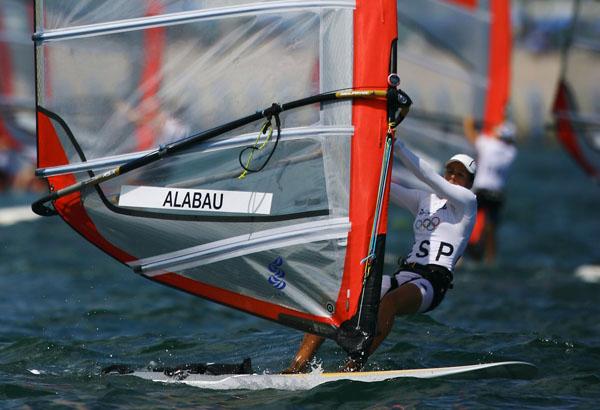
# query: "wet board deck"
511, 370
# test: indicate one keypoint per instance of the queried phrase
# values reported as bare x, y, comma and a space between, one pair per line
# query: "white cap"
507, 131
466, 160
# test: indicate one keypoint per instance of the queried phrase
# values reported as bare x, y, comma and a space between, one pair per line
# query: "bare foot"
296, 369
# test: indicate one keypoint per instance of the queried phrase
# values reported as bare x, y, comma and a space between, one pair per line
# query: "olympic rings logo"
428, 223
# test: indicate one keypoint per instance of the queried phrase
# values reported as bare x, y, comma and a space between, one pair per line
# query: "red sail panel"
6, 87
375, 26
70, 207
6, 81
499, 64
470, 4
567, 135
153, 44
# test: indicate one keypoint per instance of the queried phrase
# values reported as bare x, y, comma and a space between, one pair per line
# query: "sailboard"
17, 105
455, 63
576, 106
510, 370
263, 182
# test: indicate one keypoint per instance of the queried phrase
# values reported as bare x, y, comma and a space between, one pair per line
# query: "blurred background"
539, 29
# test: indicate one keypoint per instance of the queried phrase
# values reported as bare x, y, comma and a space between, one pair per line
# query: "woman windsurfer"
443, 223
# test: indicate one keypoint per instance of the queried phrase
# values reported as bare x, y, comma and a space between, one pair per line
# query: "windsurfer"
496, 152
443, 223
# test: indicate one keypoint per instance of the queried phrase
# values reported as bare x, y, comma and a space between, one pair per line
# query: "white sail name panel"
200, 200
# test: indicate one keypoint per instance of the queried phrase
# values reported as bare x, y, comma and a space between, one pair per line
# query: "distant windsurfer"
443, 223
496, 152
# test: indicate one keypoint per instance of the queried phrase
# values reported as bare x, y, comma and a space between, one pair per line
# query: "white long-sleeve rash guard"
444, 219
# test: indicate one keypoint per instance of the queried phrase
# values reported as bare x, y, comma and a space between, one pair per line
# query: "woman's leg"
404, 300
309, 346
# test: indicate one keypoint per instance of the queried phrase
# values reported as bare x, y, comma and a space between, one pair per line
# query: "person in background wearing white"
496, 152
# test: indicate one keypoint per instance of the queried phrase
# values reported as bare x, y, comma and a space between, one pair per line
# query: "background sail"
290, 245
17, 106
454, 61
577, 103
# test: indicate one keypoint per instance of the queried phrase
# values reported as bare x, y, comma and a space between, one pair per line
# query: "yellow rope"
267, 129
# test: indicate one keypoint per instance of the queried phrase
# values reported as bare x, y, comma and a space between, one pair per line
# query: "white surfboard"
513, 370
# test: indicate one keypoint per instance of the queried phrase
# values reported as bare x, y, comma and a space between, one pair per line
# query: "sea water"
67, 310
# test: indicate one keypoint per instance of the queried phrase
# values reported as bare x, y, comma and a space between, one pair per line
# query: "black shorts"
491, 203
439, 277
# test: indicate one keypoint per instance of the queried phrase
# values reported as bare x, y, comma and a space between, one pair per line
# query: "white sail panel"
237, 97
208, 72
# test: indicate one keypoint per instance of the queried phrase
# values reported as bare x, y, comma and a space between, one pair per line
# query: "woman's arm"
405, 197
458, 195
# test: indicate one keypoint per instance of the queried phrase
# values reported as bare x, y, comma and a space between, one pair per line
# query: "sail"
454, 60
576, 106
17, 119
226, 88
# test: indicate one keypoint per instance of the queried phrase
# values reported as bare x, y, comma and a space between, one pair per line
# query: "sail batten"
105, 163
185, 17
246, 244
